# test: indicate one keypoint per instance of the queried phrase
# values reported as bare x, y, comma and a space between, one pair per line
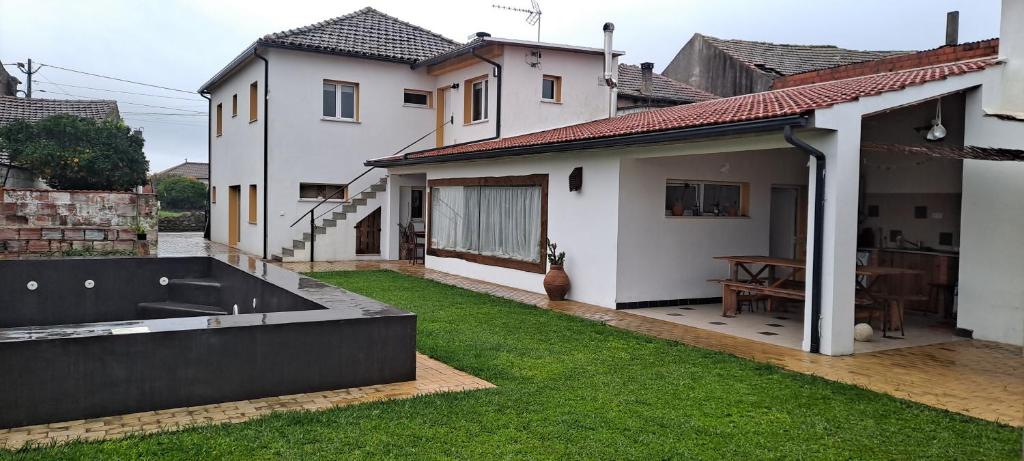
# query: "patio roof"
735, 111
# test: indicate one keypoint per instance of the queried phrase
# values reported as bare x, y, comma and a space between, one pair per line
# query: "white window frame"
338, 84
485, 89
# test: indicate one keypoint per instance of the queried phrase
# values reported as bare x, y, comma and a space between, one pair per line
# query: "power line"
135, 103
164, 113
196, 99
119, 79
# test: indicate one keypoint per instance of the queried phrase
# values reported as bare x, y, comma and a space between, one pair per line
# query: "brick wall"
43, 222
942, 55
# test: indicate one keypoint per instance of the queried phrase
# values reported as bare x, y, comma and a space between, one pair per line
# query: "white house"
794, 173
293, 117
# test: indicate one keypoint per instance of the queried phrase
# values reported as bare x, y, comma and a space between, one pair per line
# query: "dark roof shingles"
33, 109
662, 87
197, 170
756, 106
784, 59
367, 32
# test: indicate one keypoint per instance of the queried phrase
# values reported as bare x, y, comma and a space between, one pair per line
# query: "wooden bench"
732, 288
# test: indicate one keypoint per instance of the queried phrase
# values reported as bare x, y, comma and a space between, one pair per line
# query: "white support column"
839, 252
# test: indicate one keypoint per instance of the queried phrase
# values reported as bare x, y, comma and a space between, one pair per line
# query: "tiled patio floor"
431, 377
977, 378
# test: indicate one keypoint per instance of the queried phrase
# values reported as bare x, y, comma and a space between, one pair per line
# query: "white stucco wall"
237, 157
991, 301
666, 257
581, 223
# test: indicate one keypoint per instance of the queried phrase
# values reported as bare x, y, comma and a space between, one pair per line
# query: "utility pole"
29, 72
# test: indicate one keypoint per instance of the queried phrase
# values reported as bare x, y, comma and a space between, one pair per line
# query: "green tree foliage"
72, 152
181, 193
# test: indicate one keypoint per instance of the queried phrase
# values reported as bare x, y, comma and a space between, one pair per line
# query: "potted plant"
556, 282
140, 230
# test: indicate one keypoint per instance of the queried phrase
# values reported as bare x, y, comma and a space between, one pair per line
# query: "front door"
784, 216
234, 214
368, 234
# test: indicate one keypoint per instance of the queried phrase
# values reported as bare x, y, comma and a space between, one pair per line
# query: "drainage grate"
687, 308
675, 314
767, 333
782, 318
718, 323
776, 325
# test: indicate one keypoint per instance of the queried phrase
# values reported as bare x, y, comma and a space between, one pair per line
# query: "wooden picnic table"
759, 275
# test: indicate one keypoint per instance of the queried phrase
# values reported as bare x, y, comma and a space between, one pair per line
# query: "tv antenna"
533, 17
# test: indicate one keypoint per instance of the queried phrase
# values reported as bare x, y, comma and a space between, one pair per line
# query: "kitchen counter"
952, 254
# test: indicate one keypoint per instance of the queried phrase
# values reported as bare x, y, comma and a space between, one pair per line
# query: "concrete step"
287, 251
320, 230
349, 208
338, 216
328, 222
298, 244
367, 194
379, 187
195, 291
171, 309
277, 258
358, 201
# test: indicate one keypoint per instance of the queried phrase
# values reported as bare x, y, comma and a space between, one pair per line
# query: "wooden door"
234, 214
368, 234
441, 99
783, 223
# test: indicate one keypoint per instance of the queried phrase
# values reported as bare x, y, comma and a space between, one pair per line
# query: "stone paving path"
432, 377
977, 378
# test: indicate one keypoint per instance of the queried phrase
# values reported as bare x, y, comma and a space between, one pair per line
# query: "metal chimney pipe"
952, 28
610, 70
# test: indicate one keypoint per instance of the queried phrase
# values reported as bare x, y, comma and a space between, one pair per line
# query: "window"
253, 104
234, 105
314, 191
703, 198
475, 99
213, 194
341, 100
494, 221
417, 98
551, 88
252, 204
416, 204
220, 119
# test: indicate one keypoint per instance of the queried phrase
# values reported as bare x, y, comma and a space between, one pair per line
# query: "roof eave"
488, 41
747, 127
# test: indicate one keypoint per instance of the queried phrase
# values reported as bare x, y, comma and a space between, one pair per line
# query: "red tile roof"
757, 106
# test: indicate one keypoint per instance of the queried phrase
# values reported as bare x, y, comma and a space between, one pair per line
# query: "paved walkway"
976, 378
432, 377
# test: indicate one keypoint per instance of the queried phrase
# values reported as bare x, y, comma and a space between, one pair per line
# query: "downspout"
266, 125
819, 222
209, 160
497, 126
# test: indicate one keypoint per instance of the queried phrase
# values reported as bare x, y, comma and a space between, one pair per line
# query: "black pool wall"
120, 284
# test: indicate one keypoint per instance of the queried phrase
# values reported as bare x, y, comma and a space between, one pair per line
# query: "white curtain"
510, 222
494, 221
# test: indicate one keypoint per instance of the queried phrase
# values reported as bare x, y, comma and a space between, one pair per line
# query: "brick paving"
977, 378
432, 377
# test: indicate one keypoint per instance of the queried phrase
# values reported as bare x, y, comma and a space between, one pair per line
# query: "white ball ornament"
863, 332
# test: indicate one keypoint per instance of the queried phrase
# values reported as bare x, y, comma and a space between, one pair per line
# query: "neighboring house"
640, 89
34, 109
735, 67
348, 88
660, 193
200, 171
8, 83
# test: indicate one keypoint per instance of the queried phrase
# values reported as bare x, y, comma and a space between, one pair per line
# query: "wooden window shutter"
252, 204
253, 101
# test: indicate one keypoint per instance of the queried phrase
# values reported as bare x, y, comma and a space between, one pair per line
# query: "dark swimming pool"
83, 338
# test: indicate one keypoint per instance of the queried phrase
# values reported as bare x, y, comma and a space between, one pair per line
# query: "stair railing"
312, 211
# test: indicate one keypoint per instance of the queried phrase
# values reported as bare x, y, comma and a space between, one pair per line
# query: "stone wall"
194, 221
48, 222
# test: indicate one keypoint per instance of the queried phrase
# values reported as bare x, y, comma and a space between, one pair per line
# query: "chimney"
1011, 52
646, 78
610, 70
952, 28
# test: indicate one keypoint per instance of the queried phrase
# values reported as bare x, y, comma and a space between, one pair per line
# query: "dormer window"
551, 88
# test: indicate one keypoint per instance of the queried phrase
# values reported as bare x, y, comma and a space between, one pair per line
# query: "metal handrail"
312, 211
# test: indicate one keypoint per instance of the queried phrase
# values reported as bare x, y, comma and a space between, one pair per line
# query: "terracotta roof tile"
663, 88
33, 109
757, 106
198, 170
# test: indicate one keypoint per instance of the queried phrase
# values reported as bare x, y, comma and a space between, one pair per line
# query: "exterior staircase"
335, 233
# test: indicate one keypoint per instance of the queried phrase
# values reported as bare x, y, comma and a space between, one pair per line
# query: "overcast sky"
181, 44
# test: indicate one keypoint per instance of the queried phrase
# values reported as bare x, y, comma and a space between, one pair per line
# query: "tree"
72, 152
181, 194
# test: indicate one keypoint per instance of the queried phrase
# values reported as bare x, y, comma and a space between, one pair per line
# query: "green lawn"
571, 388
